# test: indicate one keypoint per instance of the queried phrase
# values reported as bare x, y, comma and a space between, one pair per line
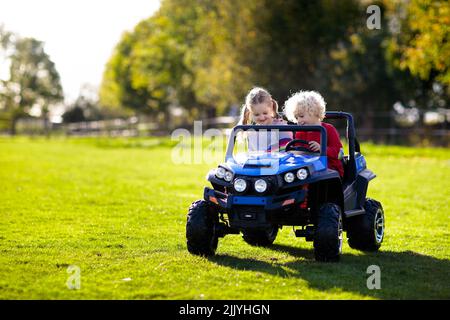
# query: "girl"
261, 109
308, 108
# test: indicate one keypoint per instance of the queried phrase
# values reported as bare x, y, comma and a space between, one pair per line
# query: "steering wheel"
290, 146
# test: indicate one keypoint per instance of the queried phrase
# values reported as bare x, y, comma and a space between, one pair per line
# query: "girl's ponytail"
245, 115
275, 109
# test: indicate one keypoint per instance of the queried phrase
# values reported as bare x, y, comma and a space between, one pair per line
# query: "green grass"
117, 209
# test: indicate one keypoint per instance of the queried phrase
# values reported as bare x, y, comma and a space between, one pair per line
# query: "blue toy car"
257, 193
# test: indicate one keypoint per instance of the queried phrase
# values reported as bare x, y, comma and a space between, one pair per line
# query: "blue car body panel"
274, 163
360, 163
249, 200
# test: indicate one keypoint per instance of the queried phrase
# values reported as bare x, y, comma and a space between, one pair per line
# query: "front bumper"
260, 211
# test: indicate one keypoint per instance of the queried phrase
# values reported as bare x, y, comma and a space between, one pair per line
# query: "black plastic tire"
366, 232
262, 238
328, 233
200, 233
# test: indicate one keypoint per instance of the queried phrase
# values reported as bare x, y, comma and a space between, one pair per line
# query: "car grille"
248, 212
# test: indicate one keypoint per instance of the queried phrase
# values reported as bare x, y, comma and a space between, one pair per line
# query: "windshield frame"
288, 127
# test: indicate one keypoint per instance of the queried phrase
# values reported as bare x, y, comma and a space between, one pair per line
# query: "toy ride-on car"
257, 192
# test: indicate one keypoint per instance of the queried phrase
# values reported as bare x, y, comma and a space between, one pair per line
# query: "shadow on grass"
404, 275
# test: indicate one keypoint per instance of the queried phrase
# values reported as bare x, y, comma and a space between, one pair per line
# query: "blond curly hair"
305, 101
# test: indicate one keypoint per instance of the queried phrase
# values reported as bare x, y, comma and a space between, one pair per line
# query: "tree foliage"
423, 42
147, 71
85, 107
419, 45
33, 80
205, 55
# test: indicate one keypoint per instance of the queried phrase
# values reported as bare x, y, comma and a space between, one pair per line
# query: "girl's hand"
314, 146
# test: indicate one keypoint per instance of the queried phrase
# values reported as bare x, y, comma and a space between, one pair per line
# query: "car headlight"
240, 185
220, 173
228, 176
260, 185
302, 174
289, 177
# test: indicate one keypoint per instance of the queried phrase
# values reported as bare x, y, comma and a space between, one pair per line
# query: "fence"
386, 128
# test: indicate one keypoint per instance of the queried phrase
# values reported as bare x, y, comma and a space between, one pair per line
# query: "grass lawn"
116, 208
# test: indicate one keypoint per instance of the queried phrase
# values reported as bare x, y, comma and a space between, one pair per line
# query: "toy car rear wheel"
262, 238
366, 232
328, 236
200, 232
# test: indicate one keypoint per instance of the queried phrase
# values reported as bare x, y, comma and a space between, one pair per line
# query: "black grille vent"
248, 212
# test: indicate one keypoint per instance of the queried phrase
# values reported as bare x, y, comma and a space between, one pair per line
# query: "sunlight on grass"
117, 209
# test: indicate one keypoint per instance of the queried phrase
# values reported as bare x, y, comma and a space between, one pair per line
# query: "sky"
79, 35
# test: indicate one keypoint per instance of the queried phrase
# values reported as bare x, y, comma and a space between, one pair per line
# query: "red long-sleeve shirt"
334, 145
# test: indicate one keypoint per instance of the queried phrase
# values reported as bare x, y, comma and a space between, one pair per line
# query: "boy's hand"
314, 146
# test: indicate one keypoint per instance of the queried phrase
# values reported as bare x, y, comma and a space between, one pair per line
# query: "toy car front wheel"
263, 238
366, 232
200, 232
328, 235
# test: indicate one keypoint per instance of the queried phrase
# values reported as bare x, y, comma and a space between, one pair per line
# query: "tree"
74, 114
147, 72
85, 107
420, 45
217, 57
33, 79
424, 41
206, 55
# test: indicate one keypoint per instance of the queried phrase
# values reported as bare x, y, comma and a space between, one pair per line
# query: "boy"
308, 108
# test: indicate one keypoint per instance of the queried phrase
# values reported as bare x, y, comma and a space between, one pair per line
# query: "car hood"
271, 163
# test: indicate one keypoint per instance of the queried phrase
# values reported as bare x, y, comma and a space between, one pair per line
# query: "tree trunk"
46, 126
168, 121
12, 125
46, 123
